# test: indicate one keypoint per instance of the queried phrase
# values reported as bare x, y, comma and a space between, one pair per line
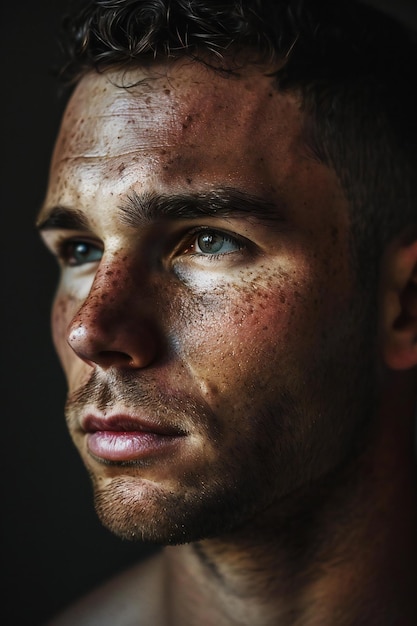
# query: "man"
232, 204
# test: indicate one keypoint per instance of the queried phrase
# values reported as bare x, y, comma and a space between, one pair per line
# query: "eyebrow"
225, 202
142, 209
63, 218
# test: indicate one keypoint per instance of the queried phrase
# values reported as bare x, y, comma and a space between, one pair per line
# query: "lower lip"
127, 445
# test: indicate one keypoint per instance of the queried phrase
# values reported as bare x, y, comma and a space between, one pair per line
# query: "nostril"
108, 358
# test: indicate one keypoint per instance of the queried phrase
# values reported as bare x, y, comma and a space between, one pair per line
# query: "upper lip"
127, 423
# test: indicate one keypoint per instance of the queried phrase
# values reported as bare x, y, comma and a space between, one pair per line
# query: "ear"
398, 321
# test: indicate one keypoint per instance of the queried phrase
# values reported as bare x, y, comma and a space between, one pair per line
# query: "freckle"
121, 167
167, 92
189, 180
188, 121
109, 273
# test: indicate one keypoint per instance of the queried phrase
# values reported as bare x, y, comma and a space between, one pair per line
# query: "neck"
345, 555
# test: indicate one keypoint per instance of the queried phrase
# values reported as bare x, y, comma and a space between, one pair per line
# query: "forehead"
182, 107
183, 126
171, 101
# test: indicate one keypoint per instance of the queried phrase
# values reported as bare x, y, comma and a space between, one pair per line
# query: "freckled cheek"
63, 310
233, 337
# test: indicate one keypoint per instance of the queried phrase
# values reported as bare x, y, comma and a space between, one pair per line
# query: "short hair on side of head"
353, 66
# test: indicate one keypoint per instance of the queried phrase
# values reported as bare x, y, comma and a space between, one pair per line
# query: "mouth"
122, 438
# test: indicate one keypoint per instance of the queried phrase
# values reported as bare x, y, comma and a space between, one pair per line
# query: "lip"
122, 438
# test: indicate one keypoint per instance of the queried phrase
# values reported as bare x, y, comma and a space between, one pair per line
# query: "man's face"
205, 317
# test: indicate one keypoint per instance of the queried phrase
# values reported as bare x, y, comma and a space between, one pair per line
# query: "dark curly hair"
354, 67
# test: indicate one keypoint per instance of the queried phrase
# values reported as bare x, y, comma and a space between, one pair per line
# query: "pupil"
81, 250
210, 242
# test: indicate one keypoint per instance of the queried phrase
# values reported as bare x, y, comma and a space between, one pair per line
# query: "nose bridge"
109, 294
113, 325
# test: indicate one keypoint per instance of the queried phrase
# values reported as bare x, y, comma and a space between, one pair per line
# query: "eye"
76, 252
213, 242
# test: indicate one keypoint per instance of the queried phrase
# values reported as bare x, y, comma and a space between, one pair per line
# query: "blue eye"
76, 253
211, 242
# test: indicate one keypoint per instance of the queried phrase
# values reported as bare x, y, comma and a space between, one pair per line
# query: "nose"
114, 327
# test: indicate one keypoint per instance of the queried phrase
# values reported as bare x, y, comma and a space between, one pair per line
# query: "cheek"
235, 335
59, 323
63, 309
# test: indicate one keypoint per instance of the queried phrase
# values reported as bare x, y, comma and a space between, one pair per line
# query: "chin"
138, 510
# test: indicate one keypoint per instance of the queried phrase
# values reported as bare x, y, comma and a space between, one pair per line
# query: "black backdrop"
54, 548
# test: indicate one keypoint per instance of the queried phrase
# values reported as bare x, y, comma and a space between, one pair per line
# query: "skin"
245, 351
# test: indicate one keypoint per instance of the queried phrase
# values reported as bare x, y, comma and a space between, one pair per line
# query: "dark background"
54, 547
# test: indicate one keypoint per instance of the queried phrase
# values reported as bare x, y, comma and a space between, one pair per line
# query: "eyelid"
54, 237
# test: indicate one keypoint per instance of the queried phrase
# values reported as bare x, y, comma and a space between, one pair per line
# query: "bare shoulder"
130, 598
